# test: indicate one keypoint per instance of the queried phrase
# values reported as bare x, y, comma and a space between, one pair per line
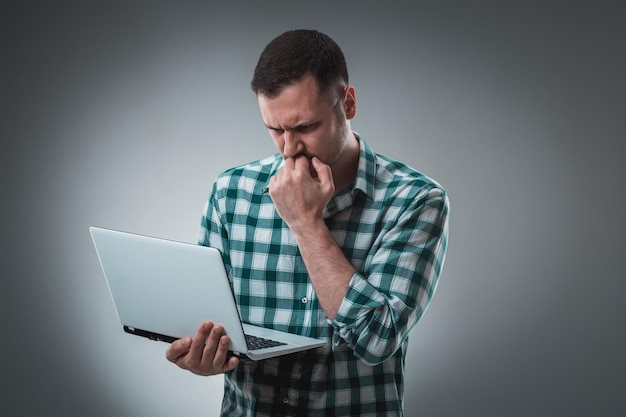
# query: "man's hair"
291, 55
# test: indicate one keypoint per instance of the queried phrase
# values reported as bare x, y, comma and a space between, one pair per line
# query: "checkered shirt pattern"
392, 225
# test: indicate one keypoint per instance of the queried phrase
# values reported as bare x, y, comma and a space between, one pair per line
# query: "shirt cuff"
360, 302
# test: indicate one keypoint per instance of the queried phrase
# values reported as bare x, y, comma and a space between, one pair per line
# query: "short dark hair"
291, 55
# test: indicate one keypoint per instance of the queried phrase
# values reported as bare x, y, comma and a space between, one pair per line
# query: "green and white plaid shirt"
392, 225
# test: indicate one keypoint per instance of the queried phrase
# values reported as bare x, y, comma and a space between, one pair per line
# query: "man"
326, 239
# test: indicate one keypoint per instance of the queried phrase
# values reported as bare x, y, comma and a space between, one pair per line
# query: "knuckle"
182, 363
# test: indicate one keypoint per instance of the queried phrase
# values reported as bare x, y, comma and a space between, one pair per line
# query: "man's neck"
345, 169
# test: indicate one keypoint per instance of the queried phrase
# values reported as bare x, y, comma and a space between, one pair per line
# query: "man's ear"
349, 102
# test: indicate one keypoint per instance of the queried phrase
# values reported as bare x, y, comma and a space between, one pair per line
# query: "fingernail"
186, 341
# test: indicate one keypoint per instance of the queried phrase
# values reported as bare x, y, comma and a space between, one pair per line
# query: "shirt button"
304, 300
285, 400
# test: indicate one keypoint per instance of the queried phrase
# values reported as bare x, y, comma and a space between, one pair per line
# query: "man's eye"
306, 128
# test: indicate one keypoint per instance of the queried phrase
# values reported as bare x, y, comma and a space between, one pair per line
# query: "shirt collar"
276, 163
366, 171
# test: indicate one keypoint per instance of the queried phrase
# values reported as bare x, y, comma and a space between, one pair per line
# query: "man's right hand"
206, 354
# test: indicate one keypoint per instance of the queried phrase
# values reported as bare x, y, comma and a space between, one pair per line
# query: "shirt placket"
287, 396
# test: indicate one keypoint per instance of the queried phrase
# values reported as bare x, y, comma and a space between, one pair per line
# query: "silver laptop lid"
164, 289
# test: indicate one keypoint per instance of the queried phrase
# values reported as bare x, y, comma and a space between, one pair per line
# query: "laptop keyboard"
256, 342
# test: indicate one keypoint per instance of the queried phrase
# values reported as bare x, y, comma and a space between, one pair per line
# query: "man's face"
302, 122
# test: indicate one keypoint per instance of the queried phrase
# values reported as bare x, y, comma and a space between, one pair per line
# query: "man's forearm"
329, 270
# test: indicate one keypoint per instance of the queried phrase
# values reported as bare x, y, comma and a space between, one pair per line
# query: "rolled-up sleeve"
389, 295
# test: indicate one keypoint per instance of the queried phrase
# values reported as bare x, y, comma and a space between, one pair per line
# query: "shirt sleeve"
379, 310
212, 231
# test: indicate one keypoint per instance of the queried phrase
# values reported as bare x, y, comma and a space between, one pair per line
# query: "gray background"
120, 114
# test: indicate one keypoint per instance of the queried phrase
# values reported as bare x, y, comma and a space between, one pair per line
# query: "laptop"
164, 290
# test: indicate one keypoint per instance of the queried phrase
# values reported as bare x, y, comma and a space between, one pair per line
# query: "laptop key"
256, 342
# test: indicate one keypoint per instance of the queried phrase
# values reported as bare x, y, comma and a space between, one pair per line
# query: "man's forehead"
288, 120
291, 111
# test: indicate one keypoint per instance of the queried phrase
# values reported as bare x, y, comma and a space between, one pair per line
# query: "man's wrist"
308, 229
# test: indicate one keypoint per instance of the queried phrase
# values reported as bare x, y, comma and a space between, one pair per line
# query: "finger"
278, 179
302, 164
324, 172
231, 364
199, 342
273, 180
221, 354
178, 349
211, 346
289, 164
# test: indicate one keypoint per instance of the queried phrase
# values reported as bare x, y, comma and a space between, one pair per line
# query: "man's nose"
293, 145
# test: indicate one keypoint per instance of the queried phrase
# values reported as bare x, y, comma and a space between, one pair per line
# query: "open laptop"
164, 290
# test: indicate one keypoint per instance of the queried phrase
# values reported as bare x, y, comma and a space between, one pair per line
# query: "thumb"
324, 173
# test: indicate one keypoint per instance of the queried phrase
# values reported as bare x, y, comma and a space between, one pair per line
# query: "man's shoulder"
248, 175
396, 173
259, 165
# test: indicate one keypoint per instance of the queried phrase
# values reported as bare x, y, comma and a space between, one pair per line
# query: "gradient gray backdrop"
120, 114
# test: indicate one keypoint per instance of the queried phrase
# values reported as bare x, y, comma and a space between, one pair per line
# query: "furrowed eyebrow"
301, 126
